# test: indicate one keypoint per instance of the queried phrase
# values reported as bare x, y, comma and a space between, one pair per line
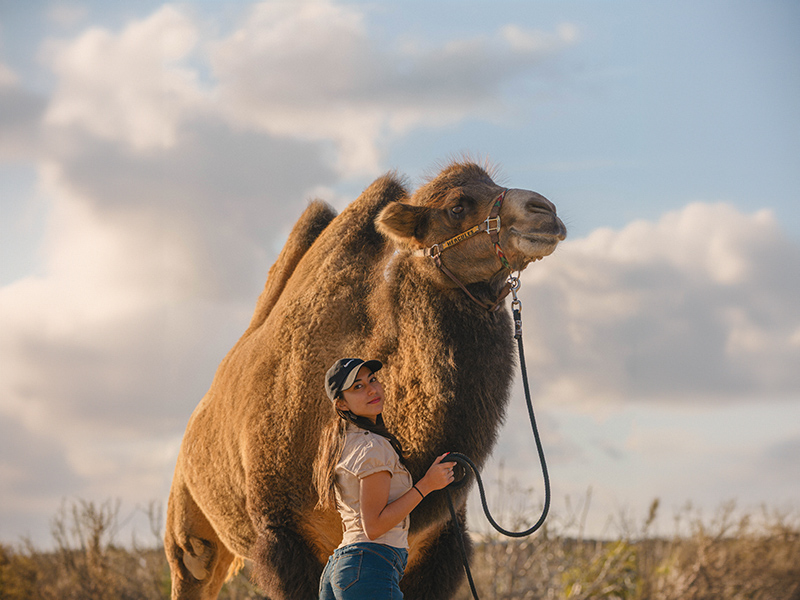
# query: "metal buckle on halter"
433, 251
492, 224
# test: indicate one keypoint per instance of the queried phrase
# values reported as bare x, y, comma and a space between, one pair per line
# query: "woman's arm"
378, 515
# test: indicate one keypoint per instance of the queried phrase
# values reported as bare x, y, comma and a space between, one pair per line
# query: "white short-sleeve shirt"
365, 453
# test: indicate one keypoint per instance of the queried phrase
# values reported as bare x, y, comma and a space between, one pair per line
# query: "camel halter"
491, 226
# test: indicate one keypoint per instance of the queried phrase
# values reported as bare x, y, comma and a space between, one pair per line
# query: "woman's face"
365, 397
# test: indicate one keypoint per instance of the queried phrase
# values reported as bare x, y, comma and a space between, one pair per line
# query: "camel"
367, 282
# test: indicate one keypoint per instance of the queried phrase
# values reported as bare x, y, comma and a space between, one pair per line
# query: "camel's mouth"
535, 246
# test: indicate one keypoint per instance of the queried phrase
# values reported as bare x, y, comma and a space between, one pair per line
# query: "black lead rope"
465, 462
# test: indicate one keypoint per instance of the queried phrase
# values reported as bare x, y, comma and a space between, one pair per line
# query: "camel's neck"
488, 293
449, 362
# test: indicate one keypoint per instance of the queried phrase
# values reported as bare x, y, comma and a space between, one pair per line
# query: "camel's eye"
457, 209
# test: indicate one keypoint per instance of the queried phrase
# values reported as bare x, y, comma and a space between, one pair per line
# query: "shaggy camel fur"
348, 285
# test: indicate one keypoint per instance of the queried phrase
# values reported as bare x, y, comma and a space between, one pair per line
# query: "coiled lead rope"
464, 461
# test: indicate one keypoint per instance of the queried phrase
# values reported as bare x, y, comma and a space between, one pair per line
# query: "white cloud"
102, 351
131, 87
702, 240
699, 305
311, 69
105, 368
306, 70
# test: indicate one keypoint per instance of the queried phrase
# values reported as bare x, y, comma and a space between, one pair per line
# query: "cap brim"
372, 365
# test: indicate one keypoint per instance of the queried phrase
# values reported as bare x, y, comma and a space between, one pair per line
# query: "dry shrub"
88, 564
86, 561
753, 557
732, 558
19, 572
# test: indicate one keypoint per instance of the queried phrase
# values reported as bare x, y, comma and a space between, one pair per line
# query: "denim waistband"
397, 557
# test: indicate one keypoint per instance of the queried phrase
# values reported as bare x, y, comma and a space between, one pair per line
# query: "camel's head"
461, 197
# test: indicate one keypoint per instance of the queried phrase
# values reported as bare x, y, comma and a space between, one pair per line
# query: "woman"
360, 470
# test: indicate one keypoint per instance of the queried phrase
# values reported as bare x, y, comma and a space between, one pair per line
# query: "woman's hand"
438, 476
378, 515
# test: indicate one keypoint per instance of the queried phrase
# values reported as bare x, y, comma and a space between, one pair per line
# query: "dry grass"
753, 557
88, 564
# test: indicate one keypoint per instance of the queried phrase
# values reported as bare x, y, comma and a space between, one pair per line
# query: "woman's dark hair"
331, 445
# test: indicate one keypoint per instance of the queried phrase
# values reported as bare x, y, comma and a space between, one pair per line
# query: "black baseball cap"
344, 372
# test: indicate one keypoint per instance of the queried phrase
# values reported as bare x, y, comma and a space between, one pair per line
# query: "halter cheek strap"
491, 226
494, 234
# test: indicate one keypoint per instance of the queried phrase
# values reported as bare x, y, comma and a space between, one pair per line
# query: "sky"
153, 158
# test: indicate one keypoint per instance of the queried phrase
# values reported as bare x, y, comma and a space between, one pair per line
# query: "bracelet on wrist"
414, 485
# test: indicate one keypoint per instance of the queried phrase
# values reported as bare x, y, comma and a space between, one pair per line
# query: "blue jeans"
363, 571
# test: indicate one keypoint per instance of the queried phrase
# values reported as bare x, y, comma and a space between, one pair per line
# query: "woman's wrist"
418, 490
422, 487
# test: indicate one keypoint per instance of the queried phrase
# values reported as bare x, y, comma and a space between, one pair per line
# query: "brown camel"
355, 285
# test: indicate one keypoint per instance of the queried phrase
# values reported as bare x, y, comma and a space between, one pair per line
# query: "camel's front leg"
435, 568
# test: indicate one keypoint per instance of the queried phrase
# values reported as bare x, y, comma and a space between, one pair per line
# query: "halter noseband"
491, 226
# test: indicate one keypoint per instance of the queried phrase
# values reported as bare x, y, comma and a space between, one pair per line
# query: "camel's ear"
404, 222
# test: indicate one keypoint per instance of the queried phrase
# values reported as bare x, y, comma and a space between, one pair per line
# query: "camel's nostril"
540, 204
